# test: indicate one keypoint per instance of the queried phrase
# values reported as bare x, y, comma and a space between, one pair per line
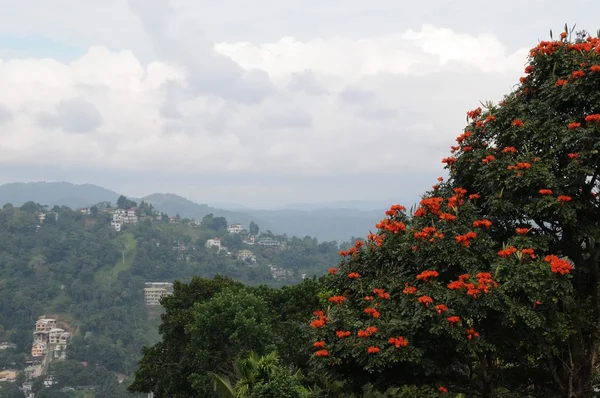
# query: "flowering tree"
492, 284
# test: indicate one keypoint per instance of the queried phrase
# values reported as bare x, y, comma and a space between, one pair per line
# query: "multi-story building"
45, 324
214, 242
234, 228
269, 242
58, 336
39, 349
154, 291
8, 375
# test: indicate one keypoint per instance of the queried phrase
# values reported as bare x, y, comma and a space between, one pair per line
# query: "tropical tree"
492, 286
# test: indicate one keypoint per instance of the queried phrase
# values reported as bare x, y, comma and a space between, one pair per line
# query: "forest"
76, 268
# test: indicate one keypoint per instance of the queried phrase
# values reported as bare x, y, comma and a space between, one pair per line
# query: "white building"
154, 291
270, 242
215, 242
234, 228
45, 324
86, 211
116, 225
246, 255
58, 336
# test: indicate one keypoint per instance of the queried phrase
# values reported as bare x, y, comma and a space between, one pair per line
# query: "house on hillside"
40, 336
234, 228
45, 324
39, 349
8, 375
246, 255
249, 240
269, 242
58, 336
41, 217
214, 242
173, 220
5, 345
86, 211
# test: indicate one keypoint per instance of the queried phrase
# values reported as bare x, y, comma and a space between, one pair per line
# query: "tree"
253, 229
493, 283
124, 203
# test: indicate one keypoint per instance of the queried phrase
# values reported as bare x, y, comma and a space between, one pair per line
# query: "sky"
262, 103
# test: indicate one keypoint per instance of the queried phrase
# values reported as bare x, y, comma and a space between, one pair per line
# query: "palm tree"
247, 372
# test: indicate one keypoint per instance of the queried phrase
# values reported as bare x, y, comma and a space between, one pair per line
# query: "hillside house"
215, 242
269, 242
279, 273
45, 324
41, 217
117, 225
5, 345
173, 220
8, 375
131, 212
154, 291
39, 349
40, 336
234, 228
58, 336
249, 240
246, 255
86, 211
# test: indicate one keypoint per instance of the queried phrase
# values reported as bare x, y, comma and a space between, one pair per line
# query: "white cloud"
295, 108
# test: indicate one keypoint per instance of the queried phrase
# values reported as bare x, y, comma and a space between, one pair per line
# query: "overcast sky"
259, 103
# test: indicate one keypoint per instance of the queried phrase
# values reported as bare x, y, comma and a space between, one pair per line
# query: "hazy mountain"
326, 221
55, 193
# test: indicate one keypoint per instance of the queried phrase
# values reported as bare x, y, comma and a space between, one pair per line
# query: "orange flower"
518, 123
373, 350
322, 353
337, 300
574, 125
373, 312
577, 74
509, 251
529, 69
398, 341
369, 298
333, 270
482, 223
471, 333
490, 118
319, 344
441, 308
595, 68
409, 289
443, 390
474, 196
449, 161
573, 155
563, 35
561, 82
545, 192
425, 300
488, 159
465, 239
448, 217
341, 333
426, 275
395, 209
367, 332
522, 231
440, 179
479, 124
528, 252
453, 320
593, 118
564, 199
509, 149
382, 294
474, 113
353, 275
463, 136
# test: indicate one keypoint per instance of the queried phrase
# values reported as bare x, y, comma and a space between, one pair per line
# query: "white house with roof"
234, 228
246, 255
269, 242
214, 242
45, 324
58, 336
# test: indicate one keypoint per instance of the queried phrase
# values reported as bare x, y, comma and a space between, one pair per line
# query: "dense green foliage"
74, 267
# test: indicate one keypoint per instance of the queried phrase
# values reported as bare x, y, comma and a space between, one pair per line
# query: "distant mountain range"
325, 221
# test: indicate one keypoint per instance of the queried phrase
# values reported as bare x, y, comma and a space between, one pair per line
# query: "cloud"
73, 116
291, 109
5, 113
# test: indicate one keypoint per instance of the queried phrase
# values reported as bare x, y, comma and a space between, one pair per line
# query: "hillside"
83, 272
323, 221
55, 193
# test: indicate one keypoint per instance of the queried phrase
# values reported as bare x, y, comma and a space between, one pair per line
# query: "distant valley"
326, 221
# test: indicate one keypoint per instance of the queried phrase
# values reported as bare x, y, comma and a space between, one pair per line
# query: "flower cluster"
398, 341
484, 223
425, 276
343, 333
321, 320
466, 239
337, 299
558, 265
373, 312
409, 289
391, 226
382, 294
367, 332
425, 300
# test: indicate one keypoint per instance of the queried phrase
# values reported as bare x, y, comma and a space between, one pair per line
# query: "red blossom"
425, 300
373, 350
518, 123
558, 265
574, 125
398, 341
425, 276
